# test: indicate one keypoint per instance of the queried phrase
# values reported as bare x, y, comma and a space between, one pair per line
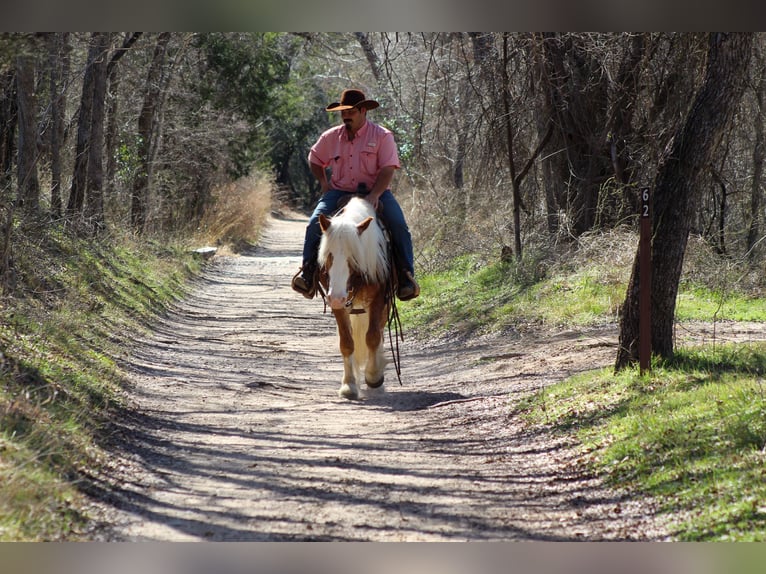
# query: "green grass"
65, 321
692, 433
697, 302
475, 296
70, 310
472, 295
463, 297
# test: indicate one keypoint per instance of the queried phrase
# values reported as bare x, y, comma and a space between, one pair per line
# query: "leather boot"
408, 287
304, 282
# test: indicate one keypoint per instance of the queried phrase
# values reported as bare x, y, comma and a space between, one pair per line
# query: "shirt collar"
362, 131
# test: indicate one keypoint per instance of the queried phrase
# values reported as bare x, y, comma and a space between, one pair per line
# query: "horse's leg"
348, 388
359, 324
376, 362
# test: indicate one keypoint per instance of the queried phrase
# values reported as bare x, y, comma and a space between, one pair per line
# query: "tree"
576, 99
28, 183
58, 69
371, 55
76, 202
94, 199
113, 83
147, 124
8, 121
517, 176
759, 150
676, 191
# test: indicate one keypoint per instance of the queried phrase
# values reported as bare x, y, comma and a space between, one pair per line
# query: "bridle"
352, 286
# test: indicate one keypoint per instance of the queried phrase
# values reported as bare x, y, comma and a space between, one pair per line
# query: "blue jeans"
392, 216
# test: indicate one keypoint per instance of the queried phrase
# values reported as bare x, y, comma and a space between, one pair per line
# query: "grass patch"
580, 288
70, 310
692, 433
472, 295
697, 302
64, 324
580, 299
463, 297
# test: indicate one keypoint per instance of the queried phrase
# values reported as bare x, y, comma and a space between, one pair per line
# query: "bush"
237, 212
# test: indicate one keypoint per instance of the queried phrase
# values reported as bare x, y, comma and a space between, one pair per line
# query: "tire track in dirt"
235, 430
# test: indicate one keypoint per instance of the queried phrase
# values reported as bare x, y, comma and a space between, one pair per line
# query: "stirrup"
300, 284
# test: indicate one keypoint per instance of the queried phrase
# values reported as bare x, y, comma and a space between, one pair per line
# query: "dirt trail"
236, 431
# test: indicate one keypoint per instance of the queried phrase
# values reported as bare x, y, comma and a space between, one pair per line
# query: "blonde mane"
366, 251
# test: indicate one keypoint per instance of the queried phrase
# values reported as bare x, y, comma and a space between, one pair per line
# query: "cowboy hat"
352, 99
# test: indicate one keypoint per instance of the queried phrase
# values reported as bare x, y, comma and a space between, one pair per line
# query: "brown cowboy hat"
352, 99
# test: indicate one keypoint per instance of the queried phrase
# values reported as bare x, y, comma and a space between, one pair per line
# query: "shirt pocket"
370, 163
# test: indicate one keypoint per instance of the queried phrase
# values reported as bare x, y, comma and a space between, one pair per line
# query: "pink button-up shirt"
357, 161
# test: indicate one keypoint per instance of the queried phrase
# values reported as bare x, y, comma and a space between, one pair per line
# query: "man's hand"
319, 173
382, 183
374, 199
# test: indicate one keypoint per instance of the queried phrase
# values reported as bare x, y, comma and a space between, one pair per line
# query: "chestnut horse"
355, 273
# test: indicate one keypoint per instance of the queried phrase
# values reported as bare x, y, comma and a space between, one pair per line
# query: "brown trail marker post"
645, 284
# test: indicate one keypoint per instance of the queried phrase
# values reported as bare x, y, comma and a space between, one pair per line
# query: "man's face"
353, 119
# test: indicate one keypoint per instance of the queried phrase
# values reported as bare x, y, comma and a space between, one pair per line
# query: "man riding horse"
363, 158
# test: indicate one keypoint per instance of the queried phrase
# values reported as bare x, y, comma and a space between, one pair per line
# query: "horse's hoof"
376, 384
348, 392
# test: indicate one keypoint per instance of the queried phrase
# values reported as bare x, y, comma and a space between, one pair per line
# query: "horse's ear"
324, 222
362, 225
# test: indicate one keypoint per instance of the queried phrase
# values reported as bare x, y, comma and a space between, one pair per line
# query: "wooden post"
645, 284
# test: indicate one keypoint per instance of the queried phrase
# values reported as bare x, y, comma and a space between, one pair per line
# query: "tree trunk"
58, 63
720, 236
146, 123
515, 184
95, 181
543, 122
759, 149
517, 176
624, 106
676, 191
80, 175
626, 92
111, 135
28, 183
575, 90
371, 55
8, 122
458, 173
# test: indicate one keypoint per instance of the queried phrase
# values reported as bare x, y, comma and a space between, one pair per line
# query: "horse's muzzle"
337, 302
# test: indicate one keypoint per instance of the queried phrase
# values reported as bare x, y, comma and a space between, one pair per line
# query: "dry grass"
704, 266
237, 213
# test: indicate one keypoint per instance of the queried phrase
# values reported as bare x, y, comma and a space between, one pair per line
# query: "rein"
393, 318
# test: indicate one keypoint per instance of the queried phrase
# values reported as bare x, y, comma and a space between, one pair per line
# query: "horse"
355, 272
